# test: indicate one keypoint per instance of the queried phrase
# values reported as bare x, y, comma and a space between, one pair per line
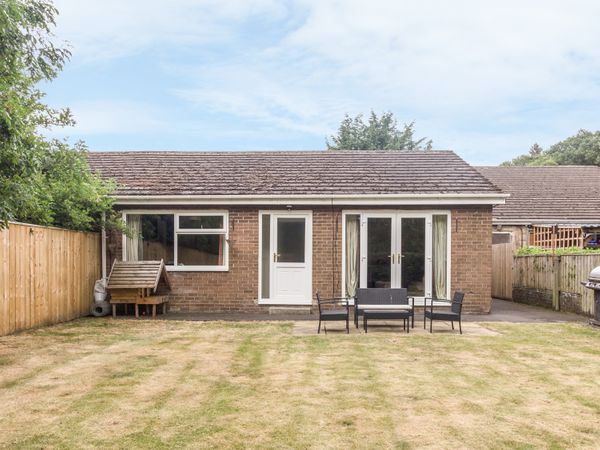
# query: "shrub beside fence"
46, 275
555, 281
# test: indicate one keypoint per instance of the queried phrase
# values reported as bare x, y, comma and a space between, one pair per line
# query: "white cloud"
113, 117
106, 29
491, 72
459, 53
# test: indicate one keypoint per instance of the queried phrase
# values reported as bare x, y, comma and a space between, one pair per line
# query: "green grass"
99, 383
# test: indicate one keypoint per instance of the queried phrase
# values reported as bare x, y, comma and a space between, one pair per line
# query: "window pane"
379, 247
501, 238
290, 240
152, 238
265, 287
440, 257
413, 256
201, 222
200, 249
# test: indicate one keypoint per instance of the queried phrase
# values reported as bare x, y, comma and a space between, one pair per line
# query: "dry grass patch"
154, 384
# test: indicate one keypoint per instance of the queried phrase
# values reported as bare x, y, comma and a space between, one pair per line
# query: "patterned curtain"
352, 253
132, 249
440, 256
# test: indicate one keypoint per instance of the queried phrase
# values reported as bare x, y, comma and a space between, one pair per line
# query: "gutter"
330, 200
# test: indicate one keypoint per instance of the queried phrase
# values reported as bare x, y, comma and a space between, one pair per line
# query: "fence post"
556, 277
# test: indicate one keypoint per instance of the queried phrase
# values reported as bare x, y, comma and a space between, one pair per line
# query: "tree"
535, 150
379, 133
535, 157
580, 149
44, 181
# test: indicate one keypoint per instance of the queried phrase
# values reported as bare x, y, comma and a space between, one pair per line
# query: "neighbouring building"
549, 206
263, 231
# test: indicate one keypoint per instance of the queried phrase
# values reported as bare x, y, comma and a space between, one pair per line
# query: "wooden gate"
502, 262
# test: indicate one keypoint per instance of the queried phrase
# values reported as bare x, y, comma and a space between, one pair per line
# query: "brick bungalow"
548, 205
262, 231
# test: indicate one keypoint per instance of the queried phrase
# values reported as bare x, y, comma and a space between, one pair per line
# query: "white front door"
289, 264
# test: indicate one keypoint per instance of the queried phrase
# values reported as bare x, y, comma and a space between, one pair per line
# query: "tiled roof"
547, 195
290, 173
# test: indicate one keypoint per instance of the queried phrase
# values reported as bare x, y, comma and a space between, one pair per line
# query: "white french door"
395, 251
286, 258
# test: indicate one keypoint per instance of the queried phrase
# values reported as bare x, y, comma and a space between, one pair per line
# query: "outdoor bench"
383, 299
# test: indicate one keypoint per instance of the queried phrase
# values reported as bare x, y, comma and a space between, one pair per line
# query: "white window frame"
184, 231
427, 213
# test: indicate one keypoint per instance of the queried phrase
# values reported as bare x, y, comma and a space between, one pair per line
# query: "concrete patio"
502, 311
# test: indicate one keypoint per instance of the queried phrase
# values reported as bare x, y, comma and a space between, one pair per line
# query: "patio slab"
305, 328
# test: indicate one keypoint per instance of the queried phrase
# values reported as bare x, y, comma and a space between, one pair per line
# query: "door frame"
399, 214
274, 213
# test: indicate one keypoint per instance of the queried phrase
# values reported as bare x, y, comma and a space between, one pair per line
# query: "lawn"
158, 384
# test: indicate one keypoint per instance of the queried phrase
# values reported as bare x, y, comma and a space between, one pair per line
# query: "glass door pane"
265, 280
291, 240
379, 251
413, 255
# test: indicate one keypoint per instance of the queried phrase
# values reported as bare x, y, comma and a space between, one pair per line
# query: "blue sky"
486, 79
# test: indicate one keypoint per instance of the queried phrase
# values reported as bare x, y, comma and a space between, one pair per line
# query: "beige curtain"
132, 248
440, 256
352, 253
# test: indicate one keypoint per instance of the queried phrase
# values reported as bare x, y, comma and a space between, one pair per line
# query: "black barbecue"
593, 282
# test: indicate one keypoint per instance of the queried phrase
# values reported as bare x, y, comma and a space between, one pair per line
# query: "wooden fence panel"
502, 260
533, 272
46, 275
574, 269
560, 274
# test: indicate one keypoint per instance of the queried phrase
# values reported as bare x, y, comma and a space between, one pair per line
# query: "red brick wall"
472, 256
237, 289
232, 291
327, 251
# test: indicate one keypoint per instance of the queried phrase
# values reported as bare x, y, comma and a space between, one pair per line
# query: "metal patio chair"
452, 315
330, 311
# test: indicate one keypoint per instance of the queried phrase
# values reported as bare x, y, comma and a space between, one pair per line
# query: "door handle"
391, 258
275, 257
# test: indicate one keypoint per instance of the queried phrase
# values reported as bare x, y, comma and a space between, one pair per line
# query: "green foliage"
379, 133
43, 181
532, 251
581, 149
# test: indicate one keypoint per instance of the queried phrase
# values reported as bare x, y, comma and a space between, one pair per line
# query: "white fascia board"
346, 200
546, 222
